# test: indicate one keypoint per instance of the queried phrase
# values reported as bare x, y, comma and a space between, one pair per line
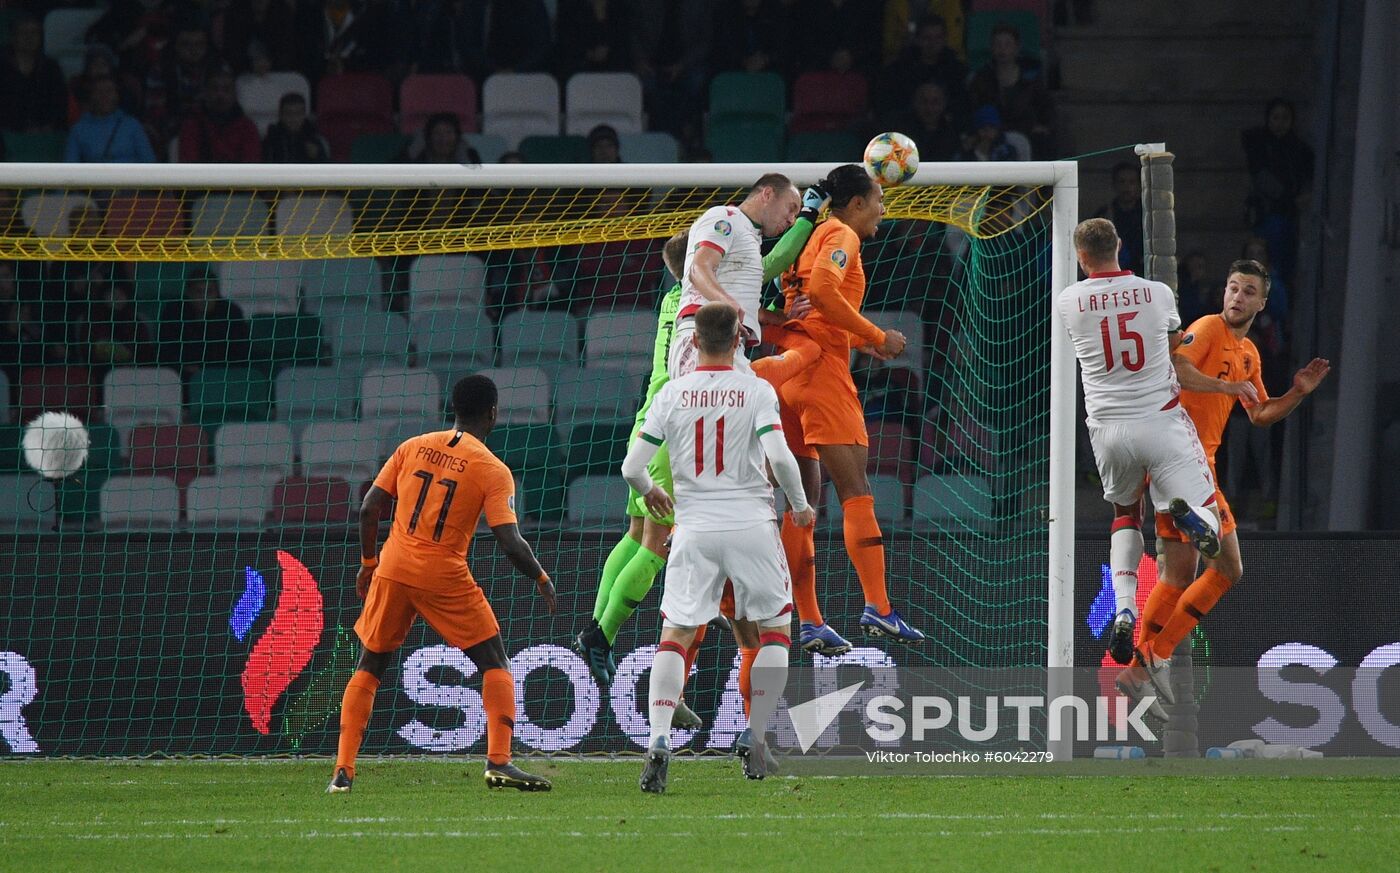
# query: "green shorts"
660, 471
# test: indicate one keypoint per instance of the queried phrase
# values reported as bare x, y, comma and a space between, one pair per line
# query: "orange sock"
798, 353
691, 652
355, 708
746, 658
800, 548
1160, 604
866, 547
498, 693
1197, 600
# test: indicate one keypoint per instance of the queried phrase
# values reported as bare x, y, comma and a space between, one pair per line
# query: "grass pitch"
436, 814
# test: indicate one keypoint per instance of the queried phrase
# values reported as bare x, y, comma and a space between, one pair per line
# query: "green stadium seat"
11, 453
832, 145
649, 147
378, 148
596, 448
555, 150
220, 394
78, 497
979, 34
156, 283
748, 95
277, 341
33, 147
746, 140
532, 453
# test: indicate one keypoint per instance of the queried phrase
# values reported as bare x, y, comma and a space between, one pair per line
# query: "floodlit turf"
437, 815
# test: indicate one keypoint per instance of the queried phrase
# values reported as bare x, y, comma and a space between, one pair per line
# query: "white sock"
1125, 549
767, 678
667, 680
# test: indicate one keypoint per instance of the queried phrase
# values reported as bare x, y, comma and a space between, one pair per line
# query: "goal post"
476, 268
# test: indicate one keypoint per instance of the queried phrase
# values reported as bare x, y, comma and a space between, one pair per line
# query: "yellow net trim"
206, 225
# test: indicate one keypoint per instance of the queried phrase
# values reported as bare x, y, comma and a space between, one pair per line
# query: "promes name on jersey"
439, 458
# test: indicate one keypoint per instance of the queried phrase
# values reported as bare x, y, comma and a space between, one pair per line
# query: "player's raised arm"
1305, 382
703, 274
784, 253
1192, 379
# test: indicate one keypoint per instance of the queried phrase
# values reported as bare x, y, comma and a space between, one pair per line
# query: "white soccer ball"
892, 159
56, 445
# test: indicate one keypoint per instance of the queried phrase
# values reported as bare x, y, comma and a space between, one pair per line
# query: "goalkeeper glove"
813, 199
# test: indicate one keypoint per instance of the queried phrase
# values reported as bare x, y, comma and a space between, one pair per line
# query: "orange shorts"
821, 408
1166, 528
726, 601
462, 617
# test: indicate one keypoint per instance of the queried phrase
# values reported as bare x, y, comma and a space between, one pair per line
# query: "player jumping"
721, 424
1124, 329
1216, 344
445, 480
822, 414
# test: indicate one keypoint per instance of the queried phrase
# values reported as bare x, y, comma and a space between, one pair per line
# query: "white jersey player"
724, 264
721, 425
1124, 329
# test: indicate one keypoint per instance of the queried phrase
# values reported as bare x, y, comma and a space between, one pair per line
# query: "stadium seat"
367, 339
11, 452
596, 448
307, 394
34, 147
76, 498
893, 451
555, 150
393, 393
489, 147
179, 452
156, 283
453, 344
228, 215
979, 33
422, 95
911, 325
350, 105
262, 448
231, 499
599, 394
619, 338
746, 140
591, 99
534, 338
144, 216
649, 147
49, 213
220, 394
4, 398
532, 451
313, 214
353, 283
953, 504
890, 506
65, 37
277, 341
261, 287
140, 503
261, 96
597, 501
347, 449
748, 95
827, 145
517, 105
378, 148
141, 395
298, 500
26, 500
68, 389
446, 282
523, 395
829, 101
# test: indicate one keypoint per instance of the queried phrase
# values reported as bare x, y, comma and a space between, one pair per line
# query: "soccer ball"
56, 445
892, 159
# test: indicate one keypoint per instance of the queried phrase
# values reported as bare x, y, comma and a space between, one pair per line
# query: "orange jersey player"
822, 416
443, 481
1217, 365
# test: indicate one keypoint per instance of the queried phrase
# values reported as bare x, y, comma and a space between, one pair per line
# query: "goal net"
244, 347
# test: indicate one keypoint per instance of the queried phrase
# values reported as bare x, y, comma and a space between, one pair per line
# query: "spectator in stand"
33, 95
1014, 85
670, 48
100, 62
337, 36
987, 142
1198, 292
26, 340
605, 276
292, 138
753, 40
828, 26
1281, 167
1125, 211
175, 88
927, 58
219, 133
270, 24
592, 37
137, 32
105, 133
110, 334
202, 330
483, 37
441, 142
928, 121
603, 145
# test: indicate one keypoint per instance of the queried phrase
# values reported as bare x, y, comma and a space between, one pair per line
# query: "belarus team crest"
724, 227
838, 258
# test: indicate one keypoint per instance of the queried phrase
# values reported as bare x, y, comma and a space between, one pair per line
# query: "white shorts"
701, 561
684, 357
1163, 447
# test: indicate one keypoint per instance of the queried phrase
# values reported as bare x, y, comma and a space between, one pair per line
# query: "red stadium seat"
57, 389
351, 105
144, 216
299, 500
892, 451
175, 451
423, 95
828, 101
